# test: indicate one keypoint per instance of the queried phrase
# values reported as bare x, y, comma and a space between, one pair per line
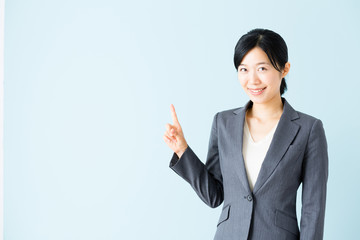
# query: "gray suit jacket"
297, 154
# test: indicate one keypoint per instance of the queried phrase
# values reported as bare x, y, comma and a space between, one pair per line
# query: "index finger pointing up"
173, 113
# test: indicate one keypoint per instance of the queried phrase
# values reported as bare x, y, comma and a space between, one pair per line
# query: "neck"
268, 110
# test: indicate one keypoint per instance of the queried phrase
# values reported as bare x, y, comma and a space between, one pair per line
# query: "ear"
286, 70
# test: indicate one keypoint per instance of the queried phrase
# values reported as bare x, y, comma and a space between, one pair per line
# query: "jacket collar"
288, 111
282, 138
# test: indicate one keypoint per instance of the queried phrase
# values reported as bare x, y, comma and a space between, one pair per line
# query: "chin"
261, 99
258, 99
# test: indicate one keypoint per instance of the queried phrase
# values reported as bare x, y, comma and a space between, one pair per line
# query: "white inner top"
254, 153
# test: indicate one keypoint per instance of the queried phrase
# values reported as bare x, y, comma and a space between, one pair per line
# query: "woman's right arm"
206, 179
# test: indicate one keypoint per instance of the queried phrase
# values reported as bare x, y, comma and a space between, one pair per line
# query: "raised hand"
174, 136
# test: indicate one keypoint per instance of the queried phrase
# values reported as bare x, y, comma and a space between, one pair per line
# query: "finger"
171, 139
174, 116
166, 139
168, 128
172, 130
169, 135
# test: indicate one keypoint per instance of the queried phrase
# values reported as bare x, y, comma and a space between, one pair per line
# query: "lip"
256, 91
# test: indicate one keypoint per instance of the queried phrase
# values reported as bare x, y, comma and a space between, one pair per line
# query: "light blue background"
88, 87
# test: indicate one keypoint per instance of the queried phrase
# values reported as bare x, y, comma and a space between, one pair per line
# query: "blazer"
297, 155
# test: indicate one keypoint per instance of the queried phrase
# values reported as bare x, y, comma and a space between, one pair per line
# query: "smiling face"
259, 79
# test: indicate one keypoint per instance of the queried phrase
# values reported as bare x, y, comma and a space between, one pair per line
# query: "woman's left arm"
314, 183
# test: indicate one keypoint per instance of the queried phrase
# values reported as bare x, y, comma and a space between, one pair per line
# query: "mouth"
256, 91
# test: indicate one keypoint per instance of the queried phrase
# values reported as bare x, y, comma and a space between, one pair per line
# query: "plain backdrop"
88, 87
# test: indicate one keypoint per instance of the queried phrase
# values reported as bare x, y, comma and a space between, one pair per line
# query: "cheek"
242, 80
272, 80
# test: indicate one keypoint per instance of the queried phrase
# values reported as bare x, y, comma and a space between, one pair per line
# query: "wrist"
181, 152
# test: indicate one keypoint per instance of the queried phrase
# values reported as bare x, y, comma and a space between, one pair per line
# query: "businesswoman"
259, 154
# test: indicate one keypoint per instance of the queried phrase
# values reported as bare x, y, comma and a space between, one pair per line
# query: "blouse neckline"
269, 135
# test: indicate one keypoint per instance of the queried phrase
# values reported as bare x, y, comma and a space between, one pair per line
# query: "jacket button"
249, 198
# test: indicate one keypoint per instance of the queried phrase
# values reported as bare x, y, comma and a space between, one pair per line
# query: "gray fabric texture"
297, 154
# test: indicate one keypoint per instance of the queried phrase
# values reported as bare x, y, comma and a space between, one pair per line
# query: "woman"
259, 154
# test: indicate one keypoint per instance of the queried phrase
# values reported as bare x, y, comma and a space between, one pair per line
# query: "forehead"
255, 56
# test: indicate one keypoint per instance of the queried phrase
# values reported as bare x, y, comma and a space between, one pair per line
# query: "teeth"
257, 90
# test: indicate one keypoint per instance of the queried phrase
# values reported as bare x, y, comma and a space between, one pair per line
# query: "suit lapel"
283, 136
237, 128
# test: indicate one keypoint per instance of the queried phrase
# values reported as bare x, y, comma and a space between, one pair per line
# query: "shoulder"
309, 125
310, 129
298, 117
228, 113
307, 120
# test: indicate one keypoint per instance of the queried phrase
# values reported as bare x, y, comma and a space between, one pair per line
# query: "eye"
262, 69
242, 69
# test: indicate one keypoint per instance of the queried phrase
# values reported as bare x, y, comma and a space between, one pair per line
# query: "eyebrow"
256, 64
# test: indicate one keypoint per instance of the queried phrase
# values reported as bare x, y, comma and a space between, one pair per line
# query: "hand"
174, 136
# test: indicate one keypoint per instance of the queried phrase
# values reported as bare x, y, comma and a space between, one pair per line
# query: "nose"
254, 78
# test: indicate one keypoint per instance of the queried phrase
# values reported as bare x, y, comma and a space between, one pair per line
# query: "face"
259, 79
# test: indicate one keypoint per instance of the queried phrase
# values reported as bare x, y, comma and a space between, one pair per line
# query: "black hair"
270, 42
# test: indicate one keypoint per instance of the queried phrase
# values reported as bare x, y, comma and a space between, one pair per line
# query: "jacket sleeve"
314, 183
205, 179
